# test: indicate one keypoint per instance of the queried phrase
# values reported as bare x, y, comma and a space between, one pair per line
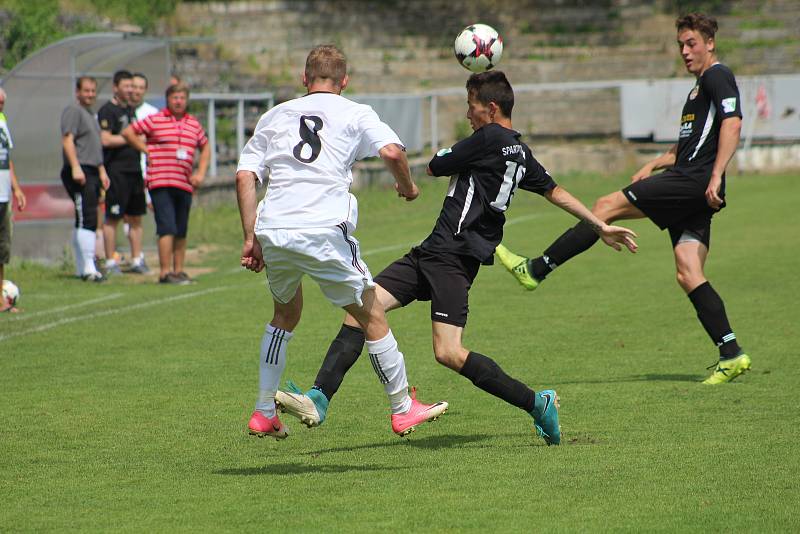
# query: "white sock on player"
389, 365
86, 250
270, 367
76, 249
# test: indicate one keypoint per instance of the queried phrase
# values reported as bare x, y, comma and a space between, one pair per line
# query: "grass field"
124, 405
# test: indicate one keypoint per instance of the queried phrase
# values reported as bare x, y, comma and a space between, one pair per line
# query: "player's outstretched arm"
252, 257
614, 236
394, 156
667, 159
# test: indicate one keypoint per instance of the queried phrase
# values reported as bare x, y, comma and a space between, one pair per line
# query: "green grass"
135, 420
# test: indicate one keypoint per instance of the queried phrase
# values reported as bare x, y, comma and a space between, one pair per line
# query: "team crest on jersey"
694, 92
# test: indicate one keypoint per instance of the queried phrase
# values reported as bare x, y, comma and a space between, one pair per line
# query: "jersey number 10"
514, 173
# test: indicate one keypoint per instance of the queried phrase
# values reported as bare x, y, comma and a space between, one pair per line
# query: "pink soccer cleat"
405, 423
261, 426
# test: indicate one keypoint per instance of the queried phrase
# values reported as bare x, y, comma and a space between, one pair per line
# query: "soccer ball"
10, 293
478, 47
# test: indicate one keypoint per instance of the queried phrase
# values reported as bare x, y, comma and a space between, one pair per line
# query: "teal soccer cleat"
545, 416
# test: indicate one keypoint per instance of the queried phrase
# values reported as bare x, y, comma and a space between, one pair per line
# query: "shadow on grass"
445, 441
640, 378
299, 469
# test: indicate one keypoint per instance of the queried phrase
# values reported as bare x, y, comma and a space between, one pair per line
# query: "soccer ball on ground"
10, 293
478, 48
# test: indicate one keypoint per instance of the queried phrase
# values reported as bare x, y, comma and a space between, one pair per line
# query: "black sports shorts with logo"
677, 202
440, 277
125, 196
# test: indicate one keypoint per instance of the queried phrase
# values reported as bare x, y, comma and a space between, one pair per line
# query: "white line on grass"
114, 311
25, 316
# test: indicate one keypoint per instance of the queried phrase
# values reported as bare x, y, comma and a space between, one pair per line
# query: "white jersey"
308, 146
143, 111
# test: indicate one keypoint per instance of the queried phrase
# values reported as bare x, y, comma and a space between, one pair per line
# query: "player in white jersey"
304, 226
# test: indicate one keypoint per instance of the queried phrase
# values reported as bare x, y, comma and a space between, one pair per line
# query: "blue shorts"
171, 207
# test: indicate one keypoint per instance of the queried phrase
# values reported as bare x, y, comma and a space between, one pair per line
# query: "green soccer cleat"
516, 265
545, 416
727, 370
310, 407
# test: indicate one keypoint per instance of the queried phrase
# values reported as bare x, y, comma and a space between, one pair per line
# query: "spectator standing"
125, 197
172, 138
8, 186
83, 173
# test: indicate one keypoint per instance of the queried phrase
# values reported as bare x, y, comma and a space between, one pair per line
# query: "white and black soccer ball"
478, 47
10, 293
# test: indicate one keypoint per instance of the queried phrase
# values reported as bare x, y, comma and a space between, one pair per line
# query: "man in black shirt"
486, 169
125, 198
682, 199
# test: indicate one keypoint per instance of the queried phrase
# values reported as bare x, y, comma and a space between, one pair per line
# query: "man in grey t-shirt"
83, 173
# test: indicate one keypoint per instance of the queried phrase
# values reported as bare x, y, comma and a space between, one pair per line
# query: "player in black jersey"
486, 170
682, 199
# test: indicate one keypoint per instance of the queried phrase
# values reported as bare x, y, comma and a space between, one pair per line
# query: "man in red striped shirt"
172, 136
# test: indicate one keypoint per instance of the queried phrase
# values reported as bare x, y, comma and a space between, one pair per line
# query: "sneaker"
518, 266
727, 370
94, 277
140, 268
113, 270
310, 407
545, 416
260, 425
171, 278
406, 423
185, 278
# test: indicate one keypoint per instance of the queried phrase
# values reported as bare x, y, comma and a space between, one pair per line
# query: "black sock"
577, 239
342, 354
488, 376
711, 312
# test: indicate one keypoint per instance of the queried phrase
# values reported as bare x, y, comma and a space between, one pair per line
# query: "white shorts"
328, 255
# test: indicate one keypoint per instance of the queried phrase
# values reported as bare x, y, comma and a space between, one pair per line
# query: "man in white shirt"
9, 191
142, 109
303, 226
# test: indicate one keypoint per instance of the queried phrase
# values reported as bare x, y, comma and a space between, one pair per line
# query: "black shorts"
442, 278
676, 202
171, 208
125, 196
85, 196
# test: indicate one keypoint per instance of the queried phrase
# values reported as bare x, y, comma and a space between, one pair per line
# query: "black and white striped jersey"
486, 169
715, 97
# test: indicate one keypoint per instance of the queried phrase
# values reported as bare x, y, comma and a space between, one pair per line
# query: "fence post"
212, 135
434, 124
240, 125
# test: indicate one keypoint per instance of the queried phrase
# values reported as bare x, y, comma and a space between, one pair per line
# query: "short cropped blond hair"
326, 62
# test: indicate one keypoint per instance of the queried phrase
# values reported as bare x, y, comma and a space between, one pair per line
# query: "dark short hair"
177, 88
492, 86
122, 75
326, 62
81, 79
700, 22
142, 76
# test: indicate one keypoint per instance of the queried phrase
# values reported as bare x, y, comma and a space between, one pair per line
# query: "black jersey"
715, 97
115, 118
486, 169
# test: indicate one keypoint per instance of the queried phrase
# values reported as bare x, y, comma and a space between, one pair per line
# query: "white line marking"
24, 316
114, 311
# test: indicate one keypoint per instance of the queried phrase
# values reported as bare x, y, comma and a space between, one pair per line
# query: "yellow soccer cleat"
727, 370
517, 266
